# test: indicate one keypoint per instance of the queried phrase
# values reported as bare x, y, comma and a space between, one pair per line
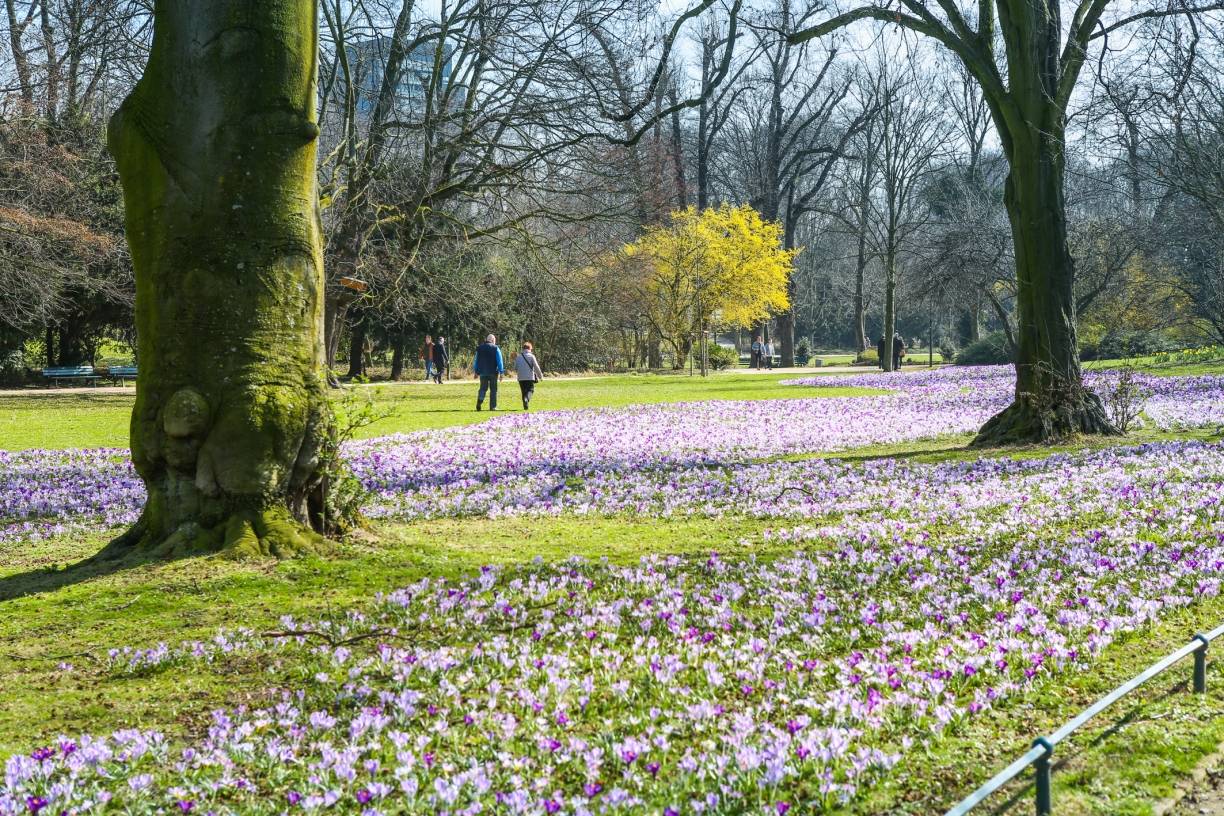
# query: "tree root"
269, 533
1029, 421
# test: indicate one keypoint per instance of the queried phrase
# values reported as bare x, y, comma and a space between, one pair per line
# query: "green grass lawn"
1176, 365
87, 419
53, 614
71, 616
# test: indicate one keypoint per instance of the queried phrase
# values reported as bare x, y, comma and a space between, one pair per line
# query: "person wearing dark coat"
441, 359
898, 351
489, 368
880, 349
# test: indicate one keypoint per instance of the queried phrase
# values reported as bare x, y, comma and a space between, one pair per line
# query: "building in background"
368, 62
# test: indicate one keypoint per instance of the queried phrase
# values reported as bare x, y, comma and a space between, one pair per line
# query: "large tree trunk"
785, 334
399, 340
970, 327
677, 150
357, 341
786, 321
1051, 402
338, 299
861, 341
785, 329
890, 307
74, 347
703, 178
334, 312
654, 351
683, 348
216, 150
860, 286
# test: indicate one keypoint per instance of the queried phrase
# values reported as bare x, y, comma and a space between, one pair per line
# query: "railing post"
1200, 664
1042, 769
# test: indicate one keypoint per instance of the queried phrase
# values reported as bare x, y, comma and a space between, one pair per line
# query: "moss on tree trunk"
216, 149
1051, 400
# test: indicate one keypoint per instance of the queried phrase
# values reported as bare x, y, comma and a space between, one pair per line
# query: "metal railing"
1042, 752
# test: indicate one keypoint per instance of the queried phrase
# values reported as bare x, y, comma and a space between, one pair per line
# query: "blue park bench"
63, 374
89, 374
120, 374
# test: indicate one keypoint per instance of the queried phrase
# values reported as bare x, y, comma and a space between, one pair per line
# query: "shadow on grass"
957, 448
471, 411
1070, 758
52, 579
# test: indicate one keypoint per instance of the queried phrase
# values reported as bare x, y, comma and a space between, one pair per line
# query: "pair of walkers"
490, 368
898, 351
436, 358
762, 354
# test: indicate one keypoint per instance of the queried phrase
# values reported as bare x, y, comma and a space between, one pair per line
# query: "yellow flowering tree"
722, 266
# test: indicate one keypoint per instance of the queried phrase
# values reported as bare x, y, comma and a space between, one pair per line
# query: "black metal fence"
1042, 752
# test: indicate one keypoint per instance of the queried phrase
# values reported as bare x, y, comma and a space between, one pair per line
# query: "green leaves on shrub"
722, 357
990, 350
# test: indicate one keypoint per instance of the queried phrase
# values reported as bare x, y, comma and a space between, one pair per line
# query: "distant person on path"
441, 359
529, 373
755, 361
427, 356
898, 351
769, 354
489, 368
881, 351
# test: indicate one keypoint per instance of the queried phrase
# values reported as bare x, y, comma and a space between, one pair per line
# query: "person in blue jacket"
489, 368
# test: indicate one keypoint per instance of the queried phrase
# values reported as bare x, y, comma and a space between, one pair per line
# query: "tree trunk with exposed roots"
216, 149
1051, 401
1028, 88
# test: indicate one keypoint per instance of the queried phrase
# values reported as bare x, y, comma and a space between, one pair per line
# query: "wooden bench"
71, 374
120, 374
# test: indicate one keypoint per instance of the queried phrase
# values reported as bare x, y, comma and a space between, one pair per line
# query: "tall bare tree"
1028, 86
507, 96
913, 134
789, 137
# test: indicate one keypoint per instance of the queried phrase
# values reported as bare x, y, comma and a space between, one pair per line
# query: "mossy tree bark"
216, 149
1051, 401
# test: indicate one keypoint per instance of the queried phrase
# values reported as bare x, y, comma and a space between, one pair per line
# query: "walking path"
1204, 795
34, 391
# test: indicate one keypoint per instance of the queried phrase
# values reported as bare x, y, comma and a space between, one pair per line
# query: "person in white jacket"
528, 369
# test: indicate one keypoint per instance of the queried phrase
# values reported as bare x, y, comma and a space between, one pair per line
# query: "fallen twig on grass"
797, 489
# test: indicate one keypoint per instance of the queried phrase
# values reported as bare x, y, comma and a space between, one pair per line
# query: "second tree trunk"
1051, 401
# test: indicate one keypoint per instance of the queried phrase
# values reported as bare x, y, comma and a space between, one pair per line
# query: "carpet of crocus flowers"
658, 459
893, 600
